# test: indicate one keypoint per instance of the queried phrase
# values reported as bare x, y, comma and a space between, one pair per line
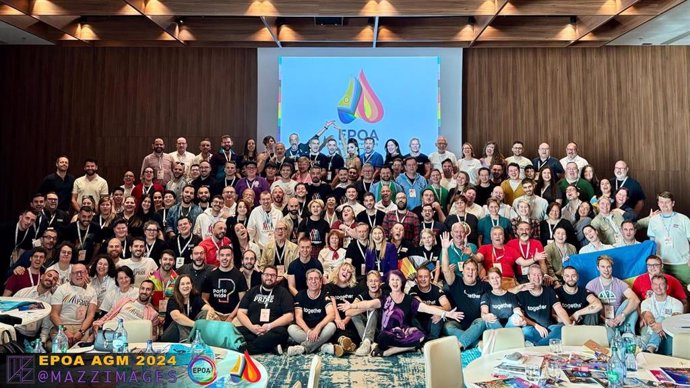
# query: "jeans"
630, 321
433, 330
532, 335
497, 324
468, 337
366, 324
661, 345
299, 336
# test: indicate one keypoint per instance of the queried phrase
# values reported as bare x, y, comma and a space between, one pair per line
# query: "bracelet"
443, 315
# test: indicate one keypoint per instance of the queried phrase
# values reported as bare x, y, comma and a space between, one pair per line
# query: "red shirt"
17, 282
211, 249
505, 257
642, 286
526, 251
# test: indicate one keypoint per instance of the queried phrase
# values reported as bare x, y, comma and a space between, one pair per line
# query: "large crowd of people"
306, 247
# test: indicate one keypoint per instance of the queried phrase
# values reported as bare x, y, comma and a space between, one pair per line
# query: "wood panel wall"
111, 103
630, 103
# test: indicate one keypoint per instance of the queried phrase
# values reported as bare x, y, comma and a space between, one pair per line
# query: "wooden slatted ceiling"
493, 23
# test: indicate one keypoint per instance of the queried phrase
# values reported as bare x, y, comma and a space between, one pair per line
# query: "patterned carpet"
405, 370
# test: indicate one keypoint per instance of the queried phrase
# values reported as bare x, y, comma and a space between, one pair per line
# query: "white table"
27, 316
481, 369
676, 324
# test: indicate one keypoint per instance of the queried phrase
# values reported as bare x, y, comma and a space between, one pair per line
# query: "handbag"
104, 340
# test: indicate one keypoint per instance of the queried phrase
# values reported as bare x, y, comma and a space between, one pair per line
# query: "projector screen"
379, 97
383, 93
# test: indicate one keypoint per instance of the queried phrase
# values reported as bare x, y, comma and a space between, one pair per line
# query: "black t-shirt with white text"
342, 294
467, 299
299, 271
278, 300
539, 307
500, 305
313, 310
224, 288
573, 302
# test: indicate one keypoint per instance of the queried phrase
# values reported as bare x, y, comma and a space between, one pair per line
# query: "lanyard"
541, 164
622, 183
50, 223
330, 220
249, 186
361, 250
145, 190
609, 219
330, 161
523, 253
231, 183
463, 219
150, 248
552, 228
364, 185
397, 217
185, 214
179, 248
562, 252
165, 217
16, 236
610, 297
371, 222
188, 310
498, 221
460, 254
496, 257
667, 225
81, 240
425, 227
268, 298
31, 277
100, 221
228, 155
659, 312
431, 254
37, 225
213, 240
280, 254
436, 193
367, 158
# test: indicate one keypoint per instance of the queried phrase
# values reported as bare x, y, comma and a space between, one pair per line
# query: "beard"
401, 205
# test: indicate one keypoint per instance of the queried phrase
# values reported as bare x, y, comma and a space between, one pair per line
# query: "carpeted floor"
405, 370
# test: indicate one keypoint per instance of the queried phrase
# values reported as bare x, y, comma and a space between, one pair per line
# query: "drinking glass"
533, 373
553, 370
555, 346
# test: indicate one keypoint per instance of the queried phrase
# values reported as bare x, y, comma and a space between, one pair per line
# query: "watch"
82, 332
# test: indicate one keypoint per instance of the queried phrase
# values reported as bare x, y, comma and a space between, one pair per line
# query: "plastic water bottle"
38, 346
149, 347
615, 370
630, 342
199, 347
120, 343
60, 342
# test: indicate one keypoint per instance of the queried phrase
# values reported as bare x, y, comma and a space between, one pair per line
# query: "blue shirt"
412, 188
375, 159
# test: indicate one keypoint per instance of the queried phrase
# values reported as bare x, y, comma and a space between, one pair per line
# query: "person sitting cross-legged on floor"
314, 315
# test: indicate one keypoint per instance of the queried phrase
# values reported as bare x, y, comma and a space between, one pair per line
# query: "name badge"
265, 315
82, 255
498, 265
364, 269
36, 243
14, 256
329, 176
412, 193
668, 312
281, 271
162, 305
609, 312
668, 241
179, 262
160, 175
524, 270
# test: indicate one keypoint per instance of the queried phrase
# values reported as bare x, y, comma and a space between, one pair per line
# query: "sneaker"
364, 348
346, 343
279, 349
295, 350
335, 350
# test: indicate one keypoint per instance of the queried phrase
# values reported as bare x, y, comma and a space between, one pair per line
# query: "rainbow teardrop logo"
360, 101
245, 369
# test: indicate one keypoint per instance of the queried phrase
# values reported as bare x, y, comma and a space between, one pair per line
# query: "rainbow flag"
628, 262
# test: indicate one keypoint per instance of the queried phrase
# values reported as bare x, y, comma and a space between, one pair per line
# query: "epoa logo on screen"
360, 101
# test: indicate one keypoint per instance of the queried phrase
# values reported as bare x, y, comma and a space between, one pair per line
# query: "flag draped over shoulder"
628, 262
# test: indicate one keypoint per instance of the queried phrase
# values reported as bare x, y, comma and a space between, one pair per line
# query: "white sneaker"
295, 350
364, 348
279, 349
335, 350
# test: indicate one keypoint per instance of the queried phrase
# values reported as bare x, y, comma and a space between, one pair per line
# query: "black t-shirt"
431, 298
183, 246
483, 194
467, 299
356, 253
322, 191
278, 300
333, 164
573, 302
224, 289
421, 161
195, 305
471, 220
538, 308
500, 305
87, 241
313, 310
198, 275
342, 294
298, 269
376, 219
433, 256
316, 230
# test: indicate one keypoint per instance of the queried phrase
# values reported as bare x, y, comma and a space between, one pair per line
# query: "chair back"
680, 345
496, 340
578, 335
443, 363
314, 372
138, 330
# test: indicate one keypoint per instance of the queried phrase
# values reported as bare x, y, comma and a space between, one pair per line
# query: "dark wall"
621, 102
630, 103
111, 103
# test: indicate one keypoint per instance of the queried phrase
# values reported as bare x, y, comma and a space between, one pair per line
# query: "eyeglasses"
269, 275
151, 230
78, 272
654, 265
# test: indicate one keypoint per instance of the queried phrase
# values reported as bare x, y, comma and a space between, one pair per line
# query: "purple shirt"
611, 294
259, 185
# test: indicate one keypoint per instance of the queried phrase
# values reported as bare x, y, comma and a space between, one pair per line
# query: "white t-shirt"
75, 302
471, 167
132, 311
437, 159
520, 161
31, 330
671, 235
288, 187
102, 286
662, 310
64, 275
261, 225
589, 248
114, 295
142, 269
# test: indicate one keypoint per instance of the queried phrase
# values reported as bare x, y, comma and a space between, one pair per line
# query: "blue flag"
628, 262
